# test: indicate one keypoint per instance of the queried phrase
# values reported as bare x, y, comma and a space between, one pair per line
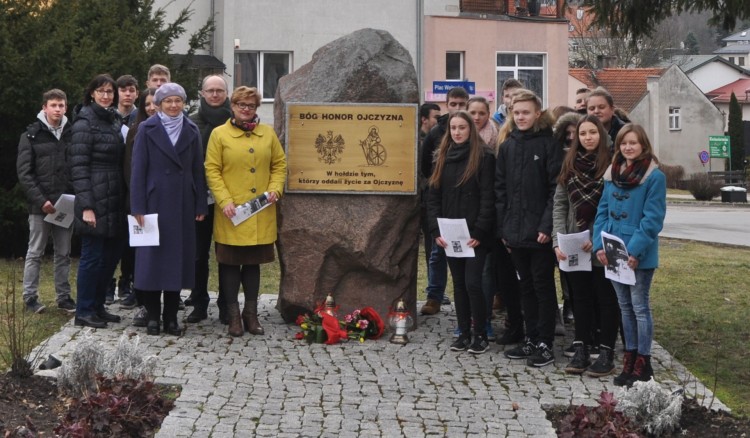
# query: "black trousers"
203, 238
152, 301
508, 287
467, 291
536, 271
594, 306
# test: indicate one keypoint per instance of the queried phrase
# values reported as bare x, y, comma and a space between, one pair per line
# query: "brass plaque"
351, 148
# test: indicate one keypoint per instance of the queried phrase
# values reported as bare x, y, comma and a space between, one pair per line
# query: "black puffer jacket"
528, 164
473, 200
96, 157
42, 165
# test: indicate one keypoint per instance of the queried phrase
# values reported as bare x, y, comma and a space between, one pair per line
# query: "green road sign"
718, 145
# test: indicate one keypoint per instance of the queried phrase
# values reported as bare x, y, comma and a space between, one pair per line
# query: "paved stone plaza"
275, 385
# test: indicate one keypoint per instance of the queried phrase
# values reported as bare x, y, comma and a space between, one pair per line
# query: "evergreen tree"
736, 134
691, 44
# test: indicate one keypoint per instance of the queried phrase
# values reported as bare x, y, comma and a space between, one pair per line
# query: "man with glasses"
437, 268
214, 110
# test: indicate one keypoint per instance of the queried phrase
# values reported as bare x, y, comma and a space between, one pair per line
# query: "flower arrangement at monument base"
322, 327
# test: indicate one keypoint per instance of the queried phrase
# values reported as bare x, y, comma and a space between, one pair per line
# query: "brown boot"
431, 307
250, 318
235, 323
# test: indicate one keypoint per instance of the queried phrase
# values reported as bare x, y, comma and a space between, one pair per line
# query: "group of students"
153, 160
521, 187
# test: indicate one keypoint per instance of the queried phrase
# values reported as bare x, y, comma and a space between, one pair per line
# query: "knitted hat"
169, 89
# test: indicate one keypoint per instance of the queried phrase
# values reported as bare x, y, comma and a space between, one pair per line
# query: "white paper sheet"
456, 233
211, 200
63, 216
570, 245
617, 268
250, 208
148, 235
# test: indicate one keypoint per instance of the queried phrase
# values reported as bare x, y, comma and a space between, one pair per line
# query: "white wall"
714, 75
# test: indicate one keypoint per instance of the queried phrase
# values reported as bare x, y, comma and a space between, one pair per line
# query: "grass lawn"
700, 299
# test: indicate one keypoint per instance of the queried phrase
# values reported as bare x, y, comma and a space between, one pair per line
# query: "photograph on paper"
63, 215
617, 268
146, 235
571, 245
456, 233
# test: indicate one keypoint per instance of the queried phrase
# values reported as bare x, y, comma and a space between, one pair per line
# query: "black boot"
642, 371
604, 364
628, 361
198, 314
580, 360
171, 305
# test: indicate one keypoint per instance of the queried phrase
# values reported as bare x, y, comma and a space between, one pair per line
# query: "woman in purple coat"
168, 179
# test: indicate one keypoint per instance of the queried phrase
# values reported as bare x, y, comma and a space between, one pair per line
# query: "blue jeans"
437, 274
637, 324
99, 257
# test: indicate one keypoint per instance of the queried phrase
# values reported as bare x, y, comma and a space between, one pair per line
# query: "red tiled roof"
626, 85
739, 87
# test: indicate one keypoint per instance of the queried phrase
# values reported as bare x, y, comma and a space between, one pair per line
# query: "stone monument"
363, 248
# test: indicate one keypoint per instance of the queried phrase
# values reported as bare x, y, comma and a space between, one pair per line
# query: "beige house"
677, 116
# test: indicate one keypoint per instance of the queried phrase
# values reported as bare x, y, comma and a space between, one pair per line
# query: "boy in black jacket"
528, 164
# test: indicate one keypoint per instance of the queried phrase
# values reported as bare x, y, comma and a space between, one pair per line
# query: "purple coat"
170, 181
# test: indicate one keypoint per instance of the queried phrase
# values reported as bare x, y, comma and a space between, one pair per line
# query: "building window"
529, 68
262, 70
454, 66
731, 59
674, 118
741, 60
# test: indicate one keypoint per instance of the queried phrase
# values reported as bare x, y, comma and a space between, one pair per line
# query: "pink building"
488, 48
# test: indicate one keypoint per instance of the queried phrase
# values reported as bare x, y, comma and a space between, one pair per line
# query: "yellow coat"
239, 167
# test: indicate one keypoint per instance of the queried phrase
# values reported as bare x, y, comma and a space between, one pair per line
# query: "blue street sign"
442, 87
703, 155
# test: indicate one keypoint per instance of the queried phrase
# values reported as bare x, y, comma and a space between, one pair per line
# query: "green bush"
14, 224
702, 187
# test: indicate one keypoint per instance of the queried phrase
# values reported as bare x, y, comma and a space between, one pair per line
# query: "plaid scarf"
584, 189
631, 175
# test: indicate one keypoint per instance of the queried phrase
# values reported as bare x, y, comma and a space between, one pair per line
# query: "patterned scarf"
584, 189
246, 126
631, 175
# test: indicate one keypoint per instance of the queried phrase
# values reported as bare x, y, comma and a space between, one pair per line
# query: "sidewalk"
276, 386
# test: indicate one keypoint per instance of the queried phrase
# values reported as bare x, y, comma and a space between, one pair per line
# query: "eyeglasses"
105, 92
246, 106
215, 91
174, 101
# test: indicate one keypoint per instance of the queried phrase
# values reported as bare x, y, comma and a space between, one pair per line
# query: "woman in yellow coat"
244, 160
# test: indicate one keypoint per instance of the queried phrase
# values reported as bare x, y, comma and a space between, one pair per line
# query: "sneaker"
129, 302
542, 356
141, 317
431, 307
479, 346
490, 332
446, 301
594, 352
570, 351
521, 351
461, 344
34, 306
580, 360
67, 305
604, 365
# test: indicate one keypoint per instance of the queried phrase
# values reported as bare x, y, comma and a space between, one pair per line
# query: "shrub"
14, 225
702, 187
599, 421
674, 175
78, 374
658, 411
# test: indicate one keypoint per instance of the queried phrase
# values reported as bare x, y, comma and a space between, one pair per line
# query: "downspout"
420, 24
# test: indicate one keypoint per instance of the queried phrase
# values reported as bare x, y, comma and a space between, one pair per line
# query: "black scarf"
213, 117
626, 177
584, 189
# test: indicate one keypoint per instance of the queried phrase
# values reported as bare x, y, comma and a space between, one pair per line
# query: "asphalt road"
711, 223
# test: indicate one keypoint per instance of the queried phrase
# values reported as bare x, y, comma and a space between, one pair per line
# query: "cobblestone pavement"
276, 386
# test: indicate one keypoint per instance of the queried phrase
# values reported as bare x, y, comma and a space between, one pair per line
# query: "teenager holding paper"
579, 188
632, 207
461, 187
244, 159
167, 179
